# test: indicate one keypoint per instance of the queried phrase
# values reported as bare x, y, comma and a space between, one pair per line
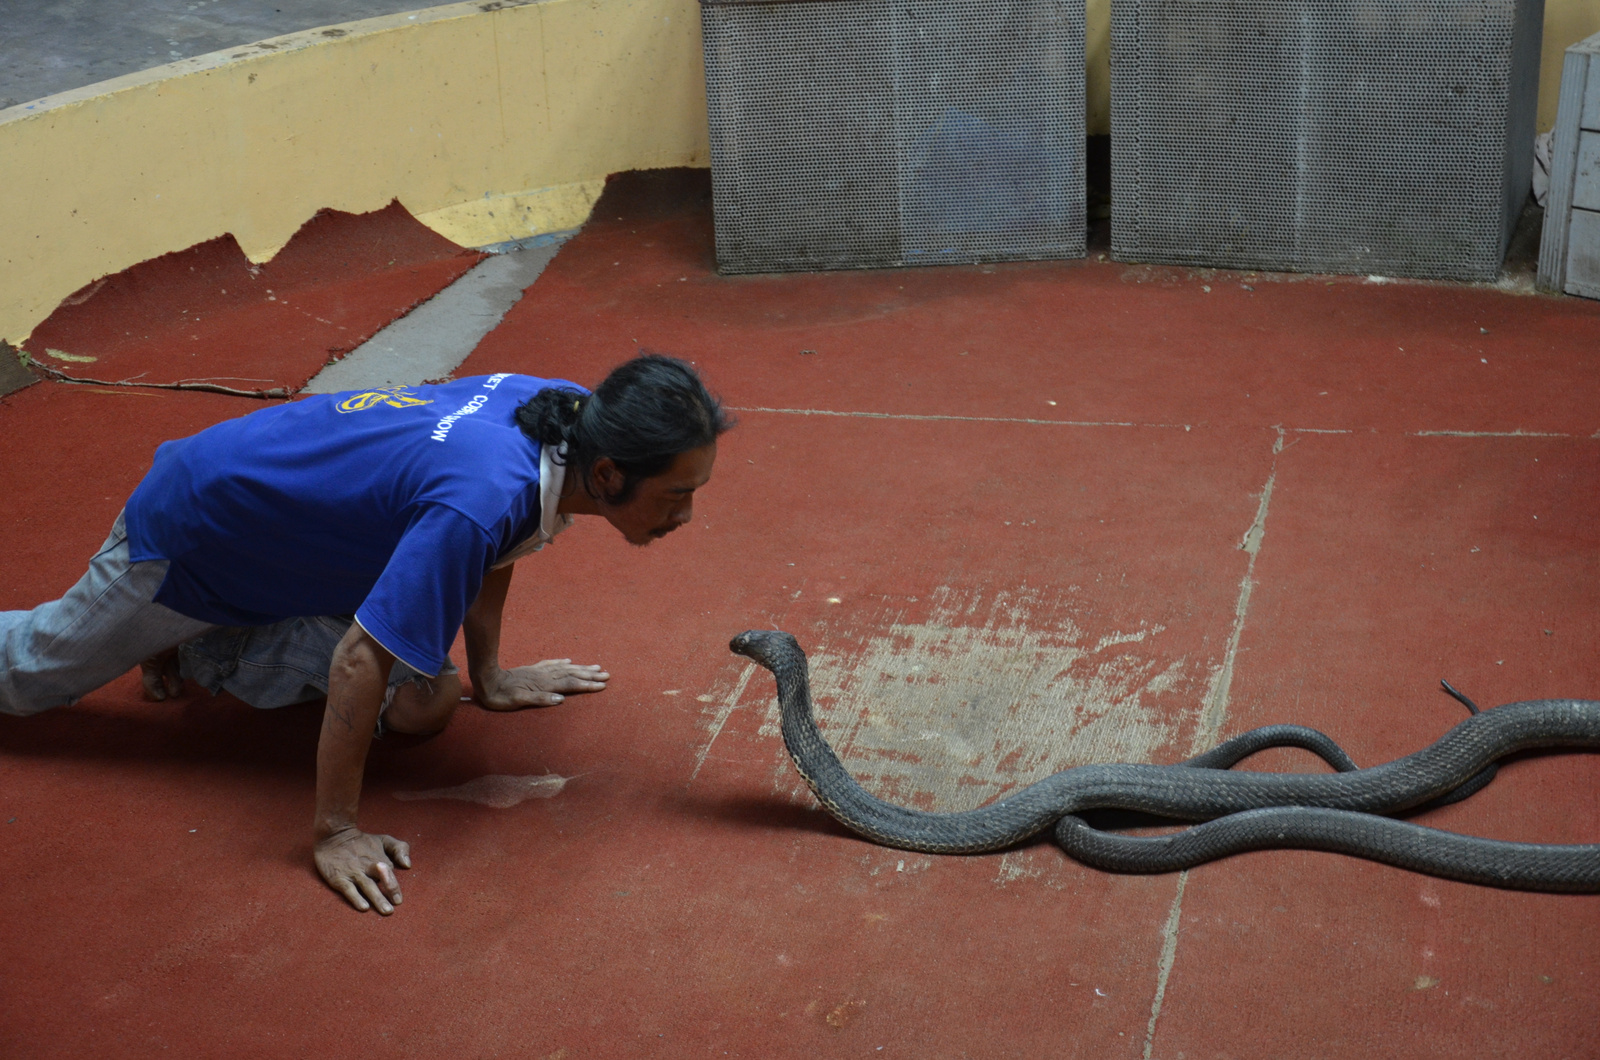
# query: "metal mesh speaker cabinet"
873, 133
1362, 136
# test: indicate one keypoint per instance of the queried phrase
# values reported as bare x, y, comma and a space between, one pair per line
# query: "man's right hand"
361, 867
544, 684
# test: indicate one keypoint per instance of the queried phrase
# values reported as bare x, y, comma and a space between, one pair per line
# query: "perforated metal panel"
1366, 136
863, 133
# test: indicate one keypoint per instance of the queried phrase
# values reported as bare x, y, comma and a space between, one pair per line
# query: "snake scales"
1340, 811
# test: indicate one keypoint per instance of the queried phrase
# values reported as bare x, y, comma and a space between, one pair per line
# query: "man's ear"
607, 478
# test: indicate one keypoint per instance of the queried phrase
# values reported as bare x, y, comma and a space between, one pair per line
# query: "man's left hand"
544, 684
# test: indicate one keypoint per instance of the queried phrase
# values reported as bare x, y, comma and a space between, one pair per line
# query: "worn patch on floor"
948, 703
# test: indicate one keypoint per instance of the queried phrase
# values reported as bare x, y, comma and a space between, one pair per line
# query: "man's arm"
481, 630
543, 684
357, 865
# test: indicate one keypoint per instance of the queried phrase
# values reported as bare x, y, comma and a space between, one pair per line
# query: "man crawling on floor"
335, 545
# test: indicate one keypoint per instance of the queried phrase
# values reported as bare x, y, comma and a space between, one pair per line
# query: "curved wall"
488, 121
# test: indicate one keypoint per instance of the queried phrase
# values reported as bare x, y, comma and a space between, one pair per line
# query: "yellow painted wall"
1566, 22
488, 120
1097, 67
440, 109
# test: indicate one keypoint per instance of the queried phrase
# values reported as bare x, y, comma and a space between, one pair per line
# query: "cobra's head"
765, 646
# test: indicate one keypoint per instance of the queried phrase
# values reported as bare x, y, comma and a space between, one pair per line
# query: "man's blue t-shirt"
386, 504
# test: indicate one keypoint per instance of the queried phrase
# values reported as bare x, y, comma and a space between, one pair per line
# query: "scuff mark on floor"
886, 864
1212, 719
499, 792
1017, 865
845, 1014
729, 703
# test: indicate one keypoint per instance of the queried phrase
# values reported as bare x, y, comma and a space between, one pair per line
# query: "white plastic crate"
1569, 251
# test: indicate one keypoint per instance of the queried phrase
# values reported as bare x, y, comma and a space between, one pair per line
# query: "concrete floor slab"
681, 875
991, 587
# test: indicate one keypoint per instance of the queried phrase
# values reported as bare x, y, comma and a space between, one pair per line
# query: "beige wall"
440, 109
1566, 22
489, 121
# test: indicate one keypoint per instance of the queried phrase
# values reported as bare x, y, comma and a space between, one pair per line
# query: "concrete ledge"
490, 122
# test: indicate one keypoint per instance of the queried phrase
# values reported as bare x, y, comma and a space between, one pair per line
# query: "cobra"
1344, 811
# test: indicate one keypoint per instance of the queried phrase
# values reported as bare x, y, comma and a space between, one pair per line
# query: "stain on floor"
950, 703
499, 792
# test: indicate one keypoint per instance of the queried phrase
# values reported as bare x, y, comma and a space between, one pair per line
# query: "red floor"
1003, 508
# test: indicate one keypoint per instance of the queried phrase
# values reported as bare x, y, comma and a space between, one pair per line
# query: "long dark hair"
646, 412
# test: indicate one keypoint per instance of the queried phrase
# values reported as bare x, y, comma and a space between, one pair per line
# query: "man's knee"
422, 706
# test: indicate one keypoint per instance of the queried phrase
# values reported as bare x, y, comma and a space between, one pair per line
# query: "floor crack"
1216, 708
1169, 952
1212, 718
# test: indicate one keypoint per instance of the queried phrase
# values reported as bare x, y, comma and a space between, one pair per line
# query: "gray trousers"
109, 622
106, 624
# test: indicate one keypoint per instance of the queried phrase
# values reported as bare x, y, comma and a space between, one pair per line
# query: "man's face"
663, 502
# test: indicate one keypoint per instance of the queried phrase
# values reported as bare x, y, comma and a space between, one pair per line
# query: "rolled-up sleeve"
417, 605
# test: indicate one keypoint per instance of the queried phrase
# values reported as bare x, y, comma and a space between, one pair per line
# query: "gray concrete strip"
430, 341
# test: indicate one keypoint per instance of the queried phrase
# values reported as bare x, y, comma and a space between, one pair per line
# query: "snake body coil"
1242, 810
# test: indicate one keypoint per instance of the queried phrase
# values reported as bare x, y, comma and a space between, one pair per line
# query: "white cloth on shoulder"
552, 475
